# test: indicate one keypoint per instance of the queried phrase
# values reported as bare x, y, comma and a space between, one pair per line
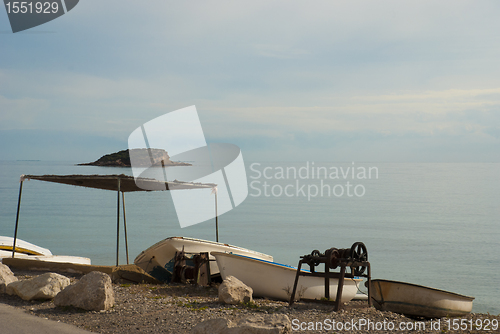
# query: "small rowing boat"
417, 300
27, 250
158, 260
275, 280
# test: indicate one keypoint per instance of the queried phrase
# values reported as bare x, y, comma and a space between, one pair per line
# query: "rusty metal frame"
124, 183
344, 263
199, 273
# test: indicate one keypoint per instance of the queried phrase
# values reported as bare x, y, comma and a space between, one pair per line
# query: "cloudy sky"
285, 80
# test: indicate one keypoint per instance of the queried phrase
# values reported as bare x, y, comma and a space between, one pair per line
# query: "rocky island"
142, 158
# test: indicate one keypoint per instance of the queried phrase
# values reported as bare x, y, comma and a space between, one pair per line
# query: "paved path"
14, 320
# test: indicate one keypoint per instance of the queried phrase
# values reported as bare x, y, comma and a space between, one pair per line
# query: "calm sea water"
429, 224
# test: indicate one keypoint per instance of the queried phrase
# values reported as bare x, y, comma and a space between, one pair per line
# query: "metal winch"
335, 256
355, 258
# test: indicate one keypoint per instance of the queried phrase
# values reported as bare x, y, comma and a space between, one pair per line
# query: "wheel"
333, 257
316, 254
359, 253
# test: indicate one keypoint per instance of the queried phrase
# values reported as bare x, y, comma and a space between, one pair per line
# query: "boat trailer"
356, 258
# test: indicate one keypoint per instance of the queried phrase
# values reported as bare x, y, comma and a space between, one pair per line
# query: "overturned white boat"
417, 300
158, 260
27, 250
274, 280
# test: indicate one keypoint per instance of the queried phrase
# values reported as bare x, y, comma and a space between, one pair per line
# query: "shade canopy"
110, 182
119, 183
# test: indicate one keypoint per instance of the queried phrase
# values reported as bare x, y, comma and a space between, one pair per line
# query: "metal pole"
125, 225
369, 286
327, 280
340, 288
216, 220
17, 219
118, 225
292, 297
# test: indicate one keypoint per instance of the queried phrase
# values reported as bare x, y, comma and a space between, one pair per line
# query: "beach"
177, 308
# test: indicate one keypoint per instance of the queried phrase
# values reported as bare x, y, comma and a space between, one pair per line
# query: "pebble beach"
177, 308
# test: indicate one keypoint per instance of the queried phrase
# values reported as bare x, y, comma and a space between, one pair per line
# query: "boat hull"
26, 250
417, 300
158, 260
22, 248
48, 258
274, 280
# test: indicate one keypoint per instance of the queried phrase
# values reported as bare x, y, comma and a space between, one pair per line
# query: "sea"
433, 224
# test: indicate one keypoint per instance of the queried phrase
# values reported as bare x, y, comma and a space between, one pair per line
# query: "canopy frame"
124, 183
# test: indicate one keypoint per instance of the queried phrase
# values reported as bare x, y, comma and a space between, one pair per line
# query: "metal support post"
118, 225
292, 297
216, 219
17, 218
340, 287
125, 225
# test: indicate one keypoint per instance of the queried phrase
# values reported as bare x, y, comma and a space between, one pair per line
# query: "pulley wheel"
315, 254
360, 254
333, 257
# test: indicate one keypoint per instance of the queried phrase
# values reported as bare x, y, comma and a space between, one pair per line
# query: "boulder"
6, 277
212, 326
253, 324
233, 291
273, 323
45, 286
93, 292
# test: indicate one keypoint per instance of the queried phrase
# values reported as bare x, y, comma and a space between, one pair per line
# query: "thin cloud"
285, 70
280, 51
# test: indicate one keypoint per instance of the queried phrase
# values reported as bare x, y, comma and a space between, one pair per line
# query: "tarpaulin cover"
110, 182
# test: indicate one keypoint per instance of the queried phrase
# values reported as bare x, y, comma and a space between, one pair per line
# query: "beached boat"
27, 250
417, 300
275, 280
158, 260
23, 248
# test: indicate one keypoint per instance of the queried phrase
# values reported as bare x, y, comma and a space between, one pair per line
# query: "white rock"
233, 291
253, 324
273, 323
93, 291
6, 277
212, 326
45, 286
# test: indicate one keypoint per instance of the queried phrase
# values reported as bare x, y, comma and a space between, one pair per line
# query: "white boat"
417, 300
158, 260
22, 248
26, 250
275, 280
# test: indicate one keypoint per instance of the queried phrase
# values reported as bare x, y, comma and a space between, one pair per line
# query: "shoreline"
177, 308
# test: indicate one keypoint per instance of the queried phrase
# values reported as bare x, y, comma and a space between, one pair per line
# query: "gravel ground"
175, 308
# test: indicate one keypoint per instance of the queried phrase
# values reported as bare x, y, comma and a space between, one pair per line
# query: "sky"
377, 81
